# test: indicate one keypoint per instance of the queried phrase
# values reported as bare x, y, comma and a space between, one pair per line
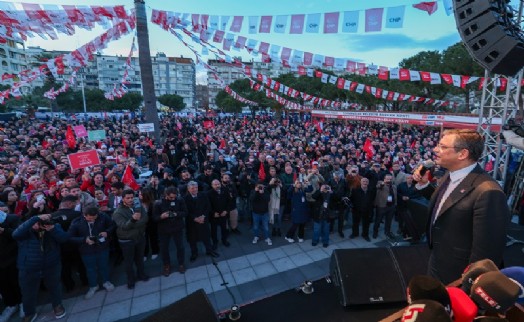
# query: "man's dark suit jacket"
470, 226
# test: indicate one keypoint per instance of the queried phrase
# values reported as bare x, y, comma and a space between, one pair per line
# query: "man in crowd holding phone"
131, 224
92, 231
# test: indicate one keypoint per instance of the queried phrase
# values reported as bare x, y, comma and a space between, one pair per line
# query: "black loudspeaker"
490, 36
194, 307
376, 275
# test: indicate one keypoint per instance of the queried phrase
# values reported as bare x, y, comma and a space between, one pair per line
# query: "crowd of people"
206, 177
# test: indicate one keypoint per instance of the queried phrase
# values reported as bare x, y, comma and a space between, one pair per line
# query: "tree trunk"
146, 69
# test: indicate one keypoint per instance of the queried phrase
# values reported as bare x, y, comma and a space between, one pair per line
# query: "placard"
81, 160
97, 135
146, 127
80, 131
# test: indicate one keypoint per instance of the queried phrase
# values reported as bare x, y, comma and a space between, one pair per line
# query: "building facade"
171, 75
226, 72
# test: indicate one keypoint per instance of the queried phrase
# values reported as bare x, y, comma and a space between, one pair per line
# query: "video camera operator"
39, 240
169, 213
514, 134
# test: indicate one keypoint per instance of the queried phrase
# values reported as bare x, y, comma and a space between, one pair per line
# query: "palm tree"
146, 69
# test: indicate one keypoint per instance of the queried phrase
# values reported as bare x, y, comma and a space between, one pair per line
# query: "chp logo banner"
146, 127
83, 159
80, 131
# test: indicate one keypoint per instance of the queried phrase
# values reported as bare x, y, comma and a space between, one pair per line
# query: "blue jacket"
36, 253
79, 231
299, 204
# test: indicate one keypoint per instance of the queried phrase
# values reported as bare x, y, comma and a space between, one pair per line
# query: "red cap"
463, 307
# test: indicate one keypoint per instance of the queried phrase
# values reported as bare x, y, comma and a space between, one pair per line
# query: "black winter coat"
172, 224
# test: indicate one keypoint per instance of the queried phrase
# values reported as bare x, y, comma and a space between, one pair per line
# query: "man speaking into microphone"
468, 213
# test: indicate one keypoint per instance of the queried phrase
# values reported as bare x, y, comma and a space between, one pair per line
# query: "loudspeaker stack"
490, 31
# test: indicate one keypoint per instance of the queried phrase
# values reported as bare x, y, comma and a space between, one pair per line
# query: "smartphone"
40, 198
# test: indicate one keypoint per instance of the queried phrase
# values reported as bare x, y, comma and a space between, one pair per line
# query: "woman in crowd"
38, 205
147, 199
12, 199
299, 210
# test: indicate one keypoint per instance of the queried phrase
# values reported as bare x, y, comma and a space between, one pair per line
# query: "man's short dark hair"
170, 190
128, 192
470, 140
118, 185
91, 211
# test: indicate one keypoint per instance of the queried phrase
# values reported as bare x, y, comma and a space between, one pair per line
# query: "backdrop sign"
82, 160
146, 127
97, 135
445, 120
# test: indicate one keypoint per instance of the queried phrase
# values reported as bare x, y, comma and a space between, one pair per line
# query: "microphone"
426, 165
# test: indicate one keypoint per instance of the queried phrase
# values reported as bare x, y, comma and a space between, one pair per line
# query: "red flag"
222, 144
129, 180
261, 172
150, 142
368, 148
489, 165
70, 137
125, 147
429, 7
209, 124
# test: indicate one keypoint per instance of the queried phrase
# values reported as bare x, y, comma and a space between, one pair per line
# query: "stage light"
234, 313
307, 287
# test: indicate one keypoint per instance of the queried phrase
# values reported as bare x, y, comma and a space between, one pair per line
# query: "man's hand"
45, 217
164, 215
103, 234
89, 241
136, 216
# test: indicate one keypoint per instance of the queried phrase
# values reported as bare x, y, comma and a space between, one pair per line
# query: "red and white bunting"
121, 89
329, 22
22, 20
300, 58
352, 86
74, 60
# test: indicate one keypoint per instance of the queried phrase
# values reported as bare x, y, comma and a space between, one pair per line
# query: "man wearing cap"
468, 212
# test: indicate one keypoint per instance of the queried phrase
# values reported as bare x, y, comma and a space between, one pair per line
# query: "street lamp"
81, 70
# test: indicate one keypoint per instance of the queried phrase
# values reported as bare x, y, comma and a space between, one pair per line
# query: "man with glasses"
468, 211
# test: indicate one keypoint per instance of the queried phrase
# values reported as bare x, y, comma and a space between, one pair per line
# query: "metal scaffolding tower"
495, 110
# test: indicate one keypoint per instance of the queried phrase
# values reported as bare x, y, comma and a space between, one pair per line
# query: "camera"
98, 239
172, 213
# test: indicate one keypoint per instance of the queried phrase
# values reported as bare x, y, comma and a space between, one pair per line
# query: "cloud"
365, 43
